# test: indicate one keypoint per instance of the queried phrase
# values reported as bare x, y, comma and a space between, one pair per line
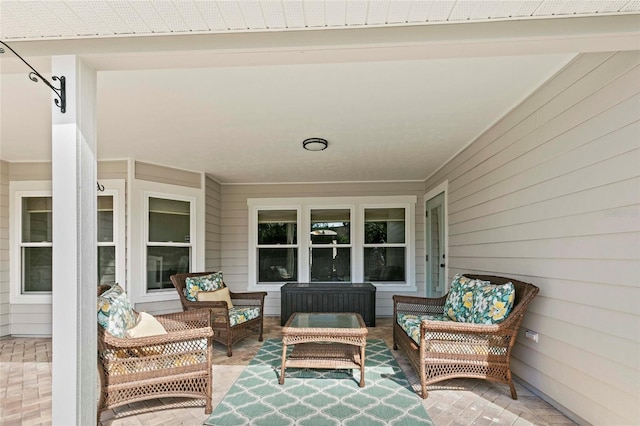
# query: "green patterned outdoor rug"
320, 397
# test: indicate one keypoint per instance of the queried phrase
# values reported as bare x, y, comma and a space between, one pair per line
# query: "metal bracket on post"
34, 75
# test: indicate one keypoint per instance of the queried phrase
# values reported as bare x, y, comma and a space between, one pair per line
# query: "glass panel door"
435, 259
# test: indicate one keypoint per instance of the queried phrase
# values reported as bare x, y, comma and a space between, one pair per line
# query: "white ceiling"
394, 102
54, 19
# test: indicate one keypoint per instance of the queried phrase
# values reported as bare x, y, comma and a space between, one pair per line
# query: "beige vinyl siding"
5, 324
551, 195
161, 174
116, 169
213, 246
234, 223
30, 171
31, 320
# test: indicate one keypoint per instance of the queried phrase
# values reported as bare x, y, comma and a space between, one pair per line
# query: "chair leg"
229, 349
514, 395
261, 329
395, 345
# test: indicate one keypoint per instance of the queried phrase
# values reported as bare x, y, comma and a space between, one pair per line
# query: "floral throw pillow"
459, 303
210, 282
492, 303
115, 312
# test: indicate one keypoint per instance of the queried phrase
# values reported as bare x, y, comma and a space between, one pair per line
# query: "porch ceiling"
394, 103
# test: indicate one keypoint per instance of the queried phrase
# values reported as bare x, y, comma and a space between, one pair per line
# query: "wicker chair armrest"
219, 304
194, 318
248, 299
418, 305
158, 340
459, 327
436, 301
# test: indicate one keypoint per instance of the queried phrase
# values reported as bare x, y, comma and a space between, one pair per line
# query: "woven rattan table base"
325, 355
325, 347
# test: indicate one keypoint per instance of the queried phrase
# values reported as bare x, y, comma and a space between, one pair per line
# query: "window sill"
30, 299
156, 296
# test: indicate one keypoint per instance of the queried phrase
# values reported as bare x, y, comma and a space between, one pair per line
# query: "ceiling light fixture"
315, 144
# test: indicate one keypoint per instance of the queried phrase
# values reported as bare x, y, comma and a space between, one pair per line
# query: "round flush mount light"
315, 144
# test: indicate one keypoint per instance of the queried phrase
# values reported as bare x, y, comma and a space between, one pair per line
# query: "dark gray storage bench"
329, 297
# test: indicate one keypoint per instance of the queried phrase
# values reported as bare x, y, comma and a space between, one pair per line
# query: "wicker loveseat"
223, 330
451, 349
175, 364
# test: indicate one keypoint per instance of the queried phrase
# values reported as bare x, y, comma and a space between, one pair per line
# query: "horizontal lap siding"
5, 324
31, 320
235, 231
162, 174
551, 195
213, 248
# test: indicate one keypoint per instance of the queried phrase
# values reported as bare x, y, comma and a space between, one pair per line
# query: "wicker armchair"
223, 331
176, 364
450, 349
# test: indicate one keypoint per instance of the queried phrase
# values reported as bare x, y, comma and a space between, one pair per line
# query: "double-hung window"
168, 240
106, 241
31, 234
36, 245
330, 245
277, 245
385, 244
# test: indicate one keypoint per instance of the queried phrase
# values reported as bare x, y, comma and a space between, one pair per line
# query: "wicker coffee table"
324, 340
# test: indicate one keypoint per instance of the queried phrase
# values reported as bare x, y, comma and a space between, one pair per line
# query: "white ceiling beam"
504, 38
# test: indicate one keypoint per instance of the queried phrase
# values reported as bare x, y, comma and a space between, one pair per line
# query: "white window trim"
139, 225
253, 239
409, 244
306, 247
116, 188
357, 204
442, 187
20, 189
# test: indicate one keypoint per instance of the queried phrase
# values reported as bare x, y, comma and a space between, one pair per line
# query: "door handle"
442, 265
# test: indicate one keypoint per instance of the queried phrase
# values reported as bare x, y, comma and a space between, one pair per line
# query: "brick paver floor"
25, 389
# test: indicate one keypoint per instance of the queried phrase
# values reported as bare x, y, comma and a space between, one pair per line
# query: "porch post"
74, 376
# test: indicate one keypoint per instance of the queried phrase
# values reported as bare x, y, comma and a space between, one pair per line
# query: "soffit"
100, 18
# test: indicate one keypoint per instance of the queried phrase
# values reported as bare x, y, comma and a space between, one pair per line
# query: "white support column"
74, 167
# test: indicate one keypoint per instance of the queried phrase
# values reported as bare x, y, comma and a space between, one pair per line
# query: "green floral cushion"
209, 282
115, 312
410, 323
492, 303
238, 315
459, 303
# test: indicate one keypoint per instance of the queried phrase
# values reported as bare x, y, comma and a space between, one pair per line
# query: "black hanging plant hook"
34, 75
